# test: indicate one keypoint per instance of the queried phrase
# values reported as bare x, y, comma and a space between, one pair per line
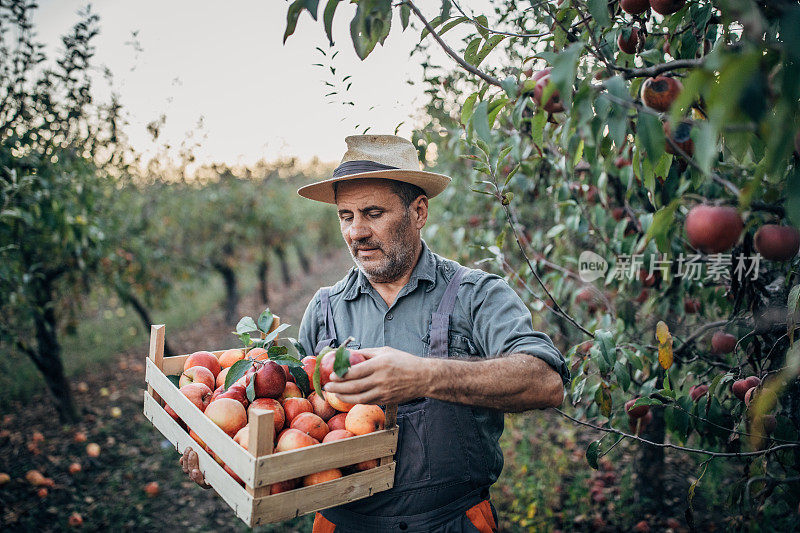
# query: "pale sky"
226, 63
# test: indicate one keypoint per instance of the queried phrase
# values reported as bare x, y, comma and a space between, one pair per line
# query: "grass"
108, 328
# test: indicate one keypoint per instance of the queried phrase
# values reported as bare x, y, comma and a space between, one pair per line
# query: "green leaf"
436, 21
604, 340
342, 362
472, 49
509, 85
452, 24
265, 320
564, 72
490, 45
480, 121
705, 143
277, 351
293, 14
603, 399
792, 303
663, 225
651, 133
646, 401
238, 369
405, 15
174, 379
599, 11
592, 452
481, 23
370, 25
327, 18
274, 334
538, 123
250, 390
467, 108
301, 378
316, 377
246, 325
623, 377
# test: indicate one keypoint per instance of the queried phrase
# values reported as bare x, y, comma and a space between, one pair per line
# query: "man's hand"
191, 465
387, 376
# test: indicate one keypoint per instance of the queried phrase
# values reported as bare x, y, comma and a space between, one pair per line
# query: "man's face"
381, 233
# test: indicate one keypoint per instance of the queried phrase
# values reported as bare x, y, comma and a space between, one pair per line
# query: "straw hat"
377, 156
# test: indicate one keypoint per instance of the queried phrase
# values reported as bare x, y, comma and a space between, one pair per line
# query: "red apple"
713, 229
290, 391
197, 393
198, 374
337, 421
289, 376
634, 7
292, 439
666, 7
337, 434
229, 414
309, 363
777, 243
310, 424
633, 43
235, 392
270, 405
722, 342
294, 406
741, 386
697, 392
658, 93
553, 104
321, 408
284, 486
221, 377
270, 380
326, 366
636, 412
203, 358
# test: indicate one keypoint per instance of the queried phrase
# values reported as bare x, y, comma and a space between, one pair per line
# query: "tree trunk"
281, 252
304, 263
231, 291
650, 463
144, 315
47, 355
263, 271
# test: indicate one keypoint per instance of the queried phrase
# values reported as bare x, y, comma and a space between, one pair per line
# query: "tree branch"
675, 446
491, 80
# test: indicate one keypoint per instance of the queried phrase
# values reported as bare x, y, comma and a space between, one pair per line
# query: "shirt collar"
425, 269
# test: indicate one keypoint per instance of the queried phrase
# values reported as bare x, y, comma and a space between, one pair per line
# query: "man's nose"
359, 230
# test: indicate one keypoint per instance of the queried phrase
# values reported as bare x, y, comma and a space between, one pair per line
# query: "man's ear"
419, 210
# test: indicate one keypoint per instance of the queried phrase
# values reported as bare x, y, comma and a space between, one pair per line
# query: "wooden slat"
236, 457
174, 365
391, 422
262, 433
230, 491
287, 505
303, 461
156, 354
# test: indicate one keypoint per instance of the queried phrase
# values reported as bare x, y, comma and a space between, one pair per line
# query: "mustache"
365, 246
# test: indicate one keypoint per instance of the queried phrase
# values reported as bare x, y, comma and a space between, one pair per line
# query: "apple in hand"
326, 366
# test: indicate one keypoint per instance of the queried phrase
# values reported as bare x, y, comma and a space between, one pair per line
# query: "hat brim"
430, 182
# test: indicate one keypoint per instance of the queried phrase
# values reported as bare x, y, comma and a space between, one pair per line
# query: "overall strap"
440, 320
327, 319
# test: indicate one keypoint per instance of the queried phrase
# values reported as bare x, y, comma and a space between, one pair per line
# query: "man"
453, 346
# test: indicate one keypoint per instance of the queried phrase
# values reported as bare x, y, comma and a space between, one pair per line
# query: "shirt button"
389, 316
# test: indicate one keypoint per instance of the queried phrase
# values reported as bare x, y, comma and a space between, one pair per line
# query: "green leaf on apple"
342, 362
265, 320
246, 325
287, 360
250, 390
237, 370
277, 350
174, 379
301, 378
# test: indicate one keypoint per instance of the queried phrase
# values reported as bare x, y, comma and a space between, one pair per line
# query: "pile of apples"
300, 421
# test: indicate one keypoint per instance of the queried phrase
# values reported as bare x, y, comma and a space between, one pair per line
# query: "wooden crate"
259, 467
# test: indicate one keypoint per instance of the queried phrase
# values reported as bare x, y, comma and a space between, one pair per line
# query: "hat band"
359, 166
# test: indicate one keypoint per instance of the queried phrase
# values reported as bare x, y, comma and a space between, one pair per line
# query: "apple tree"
635, 169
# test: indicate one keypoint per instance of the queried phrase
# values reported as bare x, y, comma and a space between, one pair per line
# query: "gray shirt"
489, 320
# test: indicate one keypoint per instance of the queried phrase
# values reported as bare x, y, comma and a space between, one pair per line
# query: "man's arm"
516, 382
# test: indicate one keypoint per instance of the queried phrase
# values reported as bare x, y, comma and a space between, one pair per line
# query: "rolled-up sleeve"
502, 325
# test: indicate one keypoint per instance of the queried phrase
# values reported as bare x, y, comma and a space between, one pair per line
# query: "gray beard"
397, 262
